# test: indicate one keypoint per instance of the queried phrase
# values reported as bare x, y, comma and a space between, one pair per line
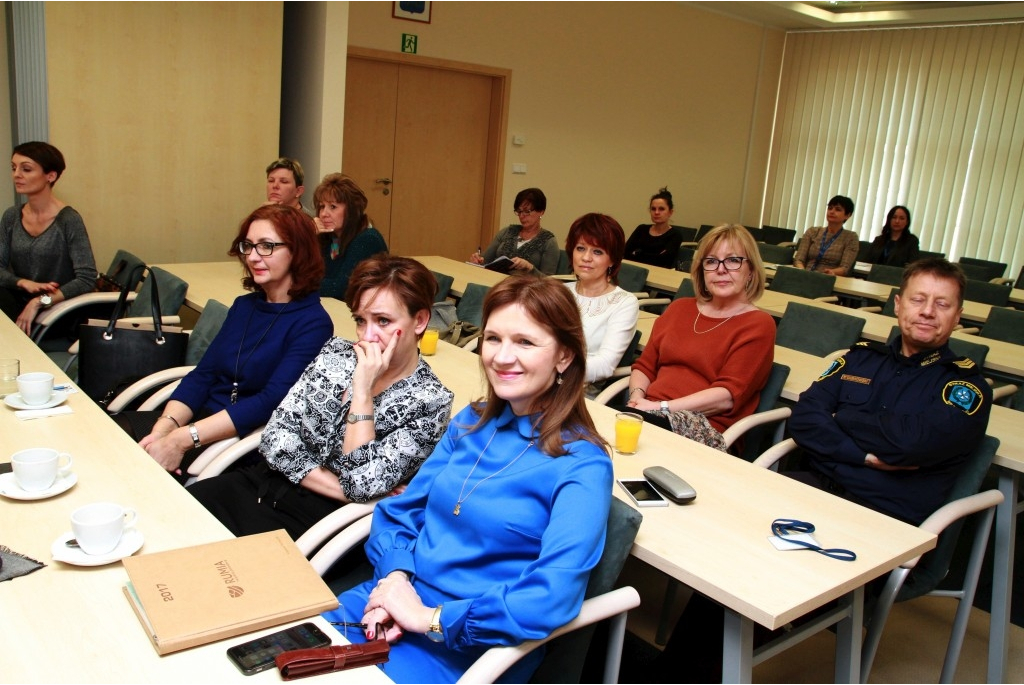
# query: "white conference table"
65, 623
712, 544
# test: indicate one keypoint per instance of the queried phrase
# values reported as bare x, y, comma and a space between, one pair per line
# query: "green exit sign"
409, 41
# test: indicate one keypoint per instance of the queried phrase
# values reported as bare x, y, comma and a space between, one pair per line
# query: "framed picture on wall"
413, 10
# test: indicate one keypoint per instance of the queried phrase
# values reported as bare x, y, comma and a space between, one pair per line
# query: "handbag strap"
120, 309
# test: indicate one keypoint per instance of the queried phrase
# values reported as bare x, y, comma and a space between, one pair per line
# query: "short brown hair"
742, 240
601, 231
298, 232
291, 165
408, 280
939, 268
561, 408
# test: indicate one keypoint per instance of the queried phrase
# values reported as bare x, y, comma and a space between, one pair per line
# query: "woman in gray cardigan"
45, 255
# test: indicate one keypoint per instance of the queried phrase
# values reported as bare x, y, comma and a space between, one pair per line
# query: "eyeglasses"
264, 249
523, 212
731, 263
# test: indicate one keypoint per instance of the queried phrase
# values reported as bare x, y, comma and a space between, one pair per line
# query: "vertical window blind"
931, 118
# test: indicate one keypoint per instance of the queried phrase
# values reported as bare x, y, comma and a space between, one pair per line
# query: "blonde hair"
744, 242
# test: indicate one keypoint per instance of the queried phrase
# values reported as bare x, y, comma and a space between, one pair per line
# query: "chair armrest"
968, 331
1001, 281
340, 544
46, 318
606, 395
496, 660
1003, 391
827, 298
874, 309
788, 243
688, 243
736, 430
160, 397
211, 453
146, 384
331, 524
955, 510
772, 455
563, 277
229, 456
654, 301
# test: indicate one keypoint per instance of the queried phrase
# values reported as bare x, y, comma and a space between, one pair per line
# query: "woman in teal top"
488, 545
346, 234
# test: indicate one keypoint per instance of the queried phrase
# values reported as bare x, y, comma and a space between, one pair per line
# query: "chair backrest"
564, 264
756, 233
471, 305
684, 258
863, 251
444, 285
207, 326
632, 279
1004, 324
889, 308
776, 254
126, 270
565, 656
1020, 279
889, 275
685, 289
924, 254
935, 564
629, 355
993, 269
987, 293
754, 439
800, 282
816, 330
962, 347
702, 231
689, 234
777, 234
172, 292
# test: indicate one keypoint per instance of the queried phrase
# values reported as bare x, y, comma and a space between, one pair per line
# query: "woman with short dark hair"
45, 253
830, 249
531, 248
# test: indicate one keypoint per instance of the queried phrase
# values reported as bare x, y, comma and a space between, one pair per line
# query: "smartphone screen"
258, 655
642, 492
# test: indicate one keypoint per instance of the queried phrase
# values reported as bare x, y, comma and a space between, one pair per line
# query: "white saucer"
14, 400
9, 487
130, 543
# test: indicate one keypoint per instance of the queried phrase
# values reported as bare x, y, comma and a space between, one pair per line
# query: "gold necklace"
458, 503
710, 329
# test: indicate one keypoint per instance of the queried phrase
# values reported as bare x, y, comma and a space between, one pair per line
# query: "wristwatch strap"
196, 443
356, 418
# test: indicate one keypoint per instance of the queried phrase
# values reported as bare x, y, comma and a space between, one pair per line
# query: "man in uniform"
889, 425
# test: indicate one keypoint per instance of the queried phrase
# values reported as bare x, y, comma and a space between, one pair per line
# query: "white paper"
783, 544
26, 414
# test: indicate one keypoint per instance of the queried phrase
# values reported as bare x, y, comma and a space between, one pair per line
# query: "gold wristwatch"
435, 633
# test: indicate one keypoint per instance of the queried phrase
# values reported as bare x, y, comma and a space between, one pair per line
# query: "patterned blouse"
308, 427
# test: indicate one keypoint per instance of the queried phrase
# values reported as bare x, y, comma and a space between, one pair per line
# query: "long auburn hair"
298, 232
561, 410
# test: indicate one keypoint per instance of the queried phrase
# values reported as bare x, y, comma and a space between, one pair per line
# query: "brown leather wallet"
302, 663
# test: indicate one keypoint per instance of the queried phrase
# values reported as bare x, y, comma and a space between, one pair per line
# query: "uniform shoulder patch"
833, 368
964, 363
963, 395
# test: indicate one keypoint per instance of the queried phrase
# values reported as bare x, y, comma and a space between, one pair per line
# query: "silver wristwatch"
356, 418
45, 300
664, 408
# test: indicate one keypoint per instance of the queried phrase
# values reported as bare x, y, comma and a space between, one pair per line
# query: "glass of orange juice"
627, 432
428, 343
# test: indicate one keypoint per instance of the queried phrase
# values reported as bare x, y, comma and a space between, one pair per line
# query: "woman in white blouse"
596, 244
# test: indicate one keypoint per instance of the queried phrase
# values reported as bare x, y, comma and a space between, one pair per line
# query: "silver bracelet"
635, 389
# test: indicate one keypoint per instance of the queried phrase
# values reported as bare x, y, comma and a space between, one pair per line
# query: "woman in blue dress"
494, 539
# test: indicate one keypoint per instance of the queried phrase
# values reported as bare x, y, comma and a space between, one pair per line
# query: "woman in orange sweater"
708, 357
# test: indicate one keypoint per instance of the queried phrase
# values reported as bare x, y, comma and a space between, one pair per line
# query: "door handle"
385, 181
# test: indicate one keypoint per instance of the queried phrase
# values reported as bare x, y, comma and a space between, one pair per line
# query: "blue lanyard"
824, 247
782, 528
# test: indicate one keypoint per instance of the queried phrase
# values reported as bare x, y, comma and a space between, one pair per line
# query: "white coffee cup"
98, 527
37, 468
35, 387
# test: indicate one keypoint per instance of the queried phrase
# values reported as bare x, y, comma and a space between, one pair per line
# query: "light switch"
518, 140
518, 168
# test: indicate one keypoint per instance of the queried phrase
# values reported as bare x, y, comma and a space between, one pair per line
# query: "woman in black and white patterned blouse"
358, 423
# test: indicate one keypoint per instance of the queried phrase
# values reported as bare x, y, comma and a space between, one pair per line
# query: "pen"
346, 624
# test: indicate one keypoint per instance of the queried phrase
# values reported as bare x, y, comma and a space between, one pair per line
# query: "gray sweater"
61, 253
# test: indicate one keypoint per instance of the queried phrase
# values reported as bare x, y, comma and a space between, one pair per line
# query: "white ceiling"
838, 15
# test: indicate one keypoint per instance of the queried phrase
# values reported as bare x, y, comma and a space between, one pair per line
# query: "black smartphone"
258, 655
642, 492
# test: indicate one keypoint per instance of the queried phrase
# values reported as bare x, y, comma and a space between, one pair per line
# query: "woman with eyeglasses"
708, 357
346, 234
269, 336
531, 248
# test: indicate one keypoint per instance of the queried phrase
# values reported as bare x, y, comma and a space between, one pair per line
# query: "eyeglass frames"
731, 263
263, 249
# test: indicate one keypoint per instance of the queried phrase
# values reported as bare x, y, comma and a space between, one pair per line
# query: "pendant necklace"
234, 383
458, 503
710, 329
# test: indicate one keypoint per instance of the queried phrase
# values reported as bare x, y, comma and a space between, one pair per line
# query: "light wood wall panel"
167, 114
615, 99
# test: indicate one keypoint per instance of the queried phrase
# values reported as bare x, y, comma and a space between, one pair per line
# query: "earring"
558, 377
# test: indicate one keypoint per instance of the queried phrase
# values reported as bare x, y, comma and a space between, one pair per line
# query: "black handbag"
114, 354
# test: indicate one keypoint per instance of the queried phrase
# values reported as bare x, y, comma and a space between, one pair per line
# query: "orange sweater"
737, 356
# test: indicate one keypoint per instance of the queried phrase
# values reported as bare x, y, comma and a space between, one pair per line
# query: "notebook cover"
195, 595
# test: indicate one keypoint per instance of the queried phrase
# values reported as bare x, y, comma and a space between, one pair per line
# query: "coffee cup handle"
130, 517
65, 468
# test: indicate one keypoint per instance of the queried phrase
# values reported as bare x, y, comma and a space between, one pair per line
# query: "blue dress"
512, 566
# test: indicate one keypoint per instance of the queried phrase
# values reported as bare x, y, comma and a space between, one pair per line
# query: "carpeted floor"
912, 648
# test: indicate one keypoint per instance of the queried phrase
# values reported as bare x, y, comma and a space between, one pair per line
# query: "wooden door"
437, 134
